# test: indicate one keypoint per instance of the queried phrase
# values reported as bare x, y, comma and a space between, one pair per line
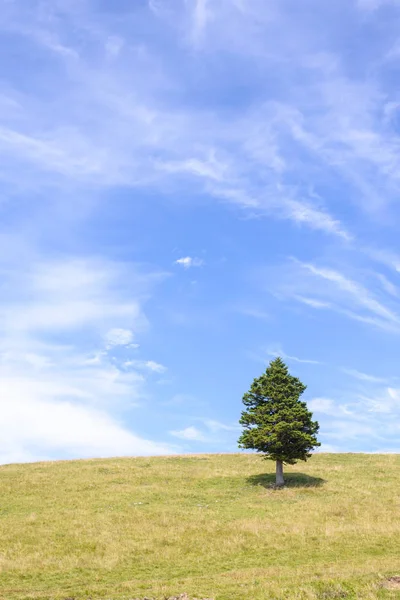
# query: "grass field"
207, 525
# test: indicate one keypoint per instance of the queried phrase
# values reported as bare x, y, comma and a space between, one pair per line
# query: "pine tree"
276, 422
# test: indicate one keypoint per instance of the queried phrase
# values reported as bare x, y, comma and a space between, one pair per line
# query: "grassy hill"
207, 525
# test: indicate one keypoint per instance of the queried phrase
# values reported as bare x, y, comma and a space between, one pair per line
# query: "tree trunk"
279, 473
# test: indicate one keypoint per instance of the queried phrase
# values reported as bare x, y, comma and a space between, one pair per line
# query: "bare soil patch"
393, 583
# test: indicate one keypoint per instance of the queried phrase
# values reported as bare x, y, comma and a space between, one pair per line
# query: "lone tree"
276, 422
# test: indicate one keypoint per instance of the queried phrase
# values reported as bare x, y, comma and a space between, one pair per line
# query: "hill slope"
207, 525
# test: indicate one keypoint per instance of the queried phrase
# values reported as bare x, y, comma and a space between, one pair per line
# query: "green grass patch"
211, 526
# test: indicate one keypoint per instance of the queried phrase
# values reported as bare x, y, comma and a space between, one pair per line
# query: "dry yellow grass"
207, 525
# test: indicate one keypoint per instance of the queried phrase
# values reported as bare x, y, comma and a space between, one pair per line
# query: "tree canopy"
276, 422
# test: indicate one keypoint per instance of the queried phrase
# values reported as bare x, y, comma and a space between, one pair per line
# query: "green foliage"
276, 422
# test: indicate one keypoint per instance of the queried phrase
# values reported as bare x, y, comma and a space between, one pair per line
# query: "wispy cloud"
348, 432
363, 376
387, 257
280, 203
121, 132
388, 286
313, 302
356, 291
212, 431
201, 14
360, 421
217, 426
145, 365
189, 261
324, 288
248, 160
326, 406
278, 352
385, 401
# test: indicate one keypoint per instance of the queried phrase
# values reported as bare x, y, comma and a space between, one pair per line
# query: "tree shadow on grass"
292, 480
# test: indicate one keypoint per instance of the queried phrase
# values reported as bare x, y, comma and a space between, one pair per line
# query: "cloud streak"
327, 289
281, 354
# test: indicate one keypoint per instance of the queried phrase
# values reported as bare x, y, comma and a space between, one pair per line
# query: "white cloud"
59, 394
68, 294
146, 365
119, 337
156, 367
33, 427
189, 433
189, 261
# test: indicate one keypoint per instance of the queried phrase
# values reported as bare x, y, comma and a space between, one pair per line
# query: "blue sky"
188, 189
